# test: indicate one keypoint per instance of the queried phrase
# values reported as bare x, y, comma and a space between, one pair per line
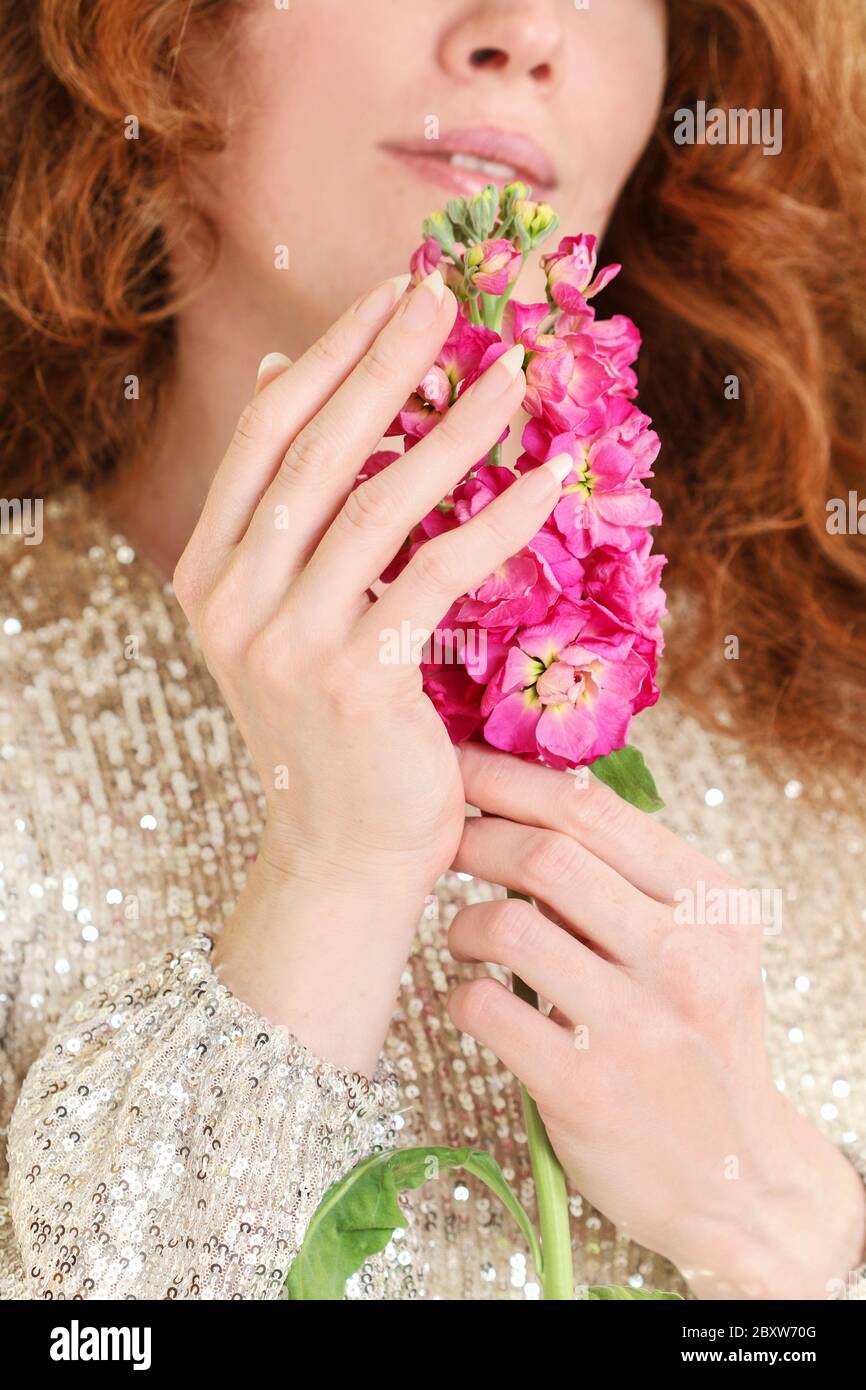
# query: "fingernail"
271, 362
538, 481
424, 302
560, 466
382, 299
500, 375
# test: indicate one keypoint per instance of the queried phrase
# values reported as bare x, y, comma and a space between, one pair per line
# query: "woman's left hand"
650, 1073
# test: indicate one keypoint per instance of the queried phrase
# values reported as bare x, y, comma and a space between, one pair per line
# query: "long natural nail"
500, 375
271, 362
382, 299
560, 466
424, 302
538, 481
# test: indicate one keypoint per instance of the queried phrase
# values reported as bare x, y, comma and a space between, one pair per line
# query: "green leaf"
358, 1214
604, 1293
628, 775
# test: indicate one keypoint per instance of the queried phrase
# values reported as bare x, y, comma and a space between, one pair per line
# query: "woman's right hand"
363, 788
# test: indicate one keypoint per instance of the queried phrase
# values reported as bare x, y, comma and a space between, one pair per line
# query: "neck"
222, 335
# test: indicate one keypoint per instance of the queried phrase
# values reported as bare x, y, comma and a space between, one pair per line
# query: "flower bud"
493, 266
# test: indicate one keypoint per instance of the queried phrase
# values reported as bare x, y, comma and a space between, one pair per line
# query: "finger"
539, 1052
581, 889
633, 843
323, 460
514, 934
460, 560
281, 406
377, 516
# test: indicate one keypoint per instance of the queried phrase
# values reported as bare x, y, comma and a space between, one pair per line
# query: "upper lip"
526, 157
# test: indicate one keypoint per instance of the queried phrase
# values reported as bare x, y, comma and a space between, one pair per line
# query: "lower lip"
435, 169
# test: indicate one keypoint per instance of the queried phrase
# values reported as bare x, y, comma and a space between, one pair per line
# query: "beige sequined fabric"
168, 1143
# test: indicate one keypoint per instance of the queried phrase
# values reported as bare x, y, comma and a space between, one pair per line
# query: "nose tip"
510, 42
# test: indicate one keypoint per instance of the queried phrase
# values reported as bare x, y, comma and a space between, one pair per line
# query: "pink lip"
426, 157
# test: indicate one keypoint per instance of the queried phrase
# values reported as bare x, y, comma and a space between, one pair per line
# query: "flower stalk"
557, 1271
573, 618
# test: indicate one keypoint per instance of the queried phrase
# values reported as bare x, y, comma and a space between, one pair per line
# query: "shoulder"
78, 615
72, 595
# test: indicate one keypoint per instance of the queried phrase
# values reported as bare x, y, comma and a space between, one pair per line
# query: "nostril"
488, 58
541, 73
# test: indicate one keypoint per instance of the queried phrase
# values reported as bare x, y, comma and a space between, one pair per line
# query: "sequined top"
169, 1143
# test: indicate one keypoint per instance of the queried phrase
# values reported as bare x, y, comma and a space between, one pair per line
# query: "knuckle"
552, 858
512, 926
448, 435
366, 507
265, 654
186, 584
435, 565
330, 350
267, 661
476, 1003
377, 364
339, 685
497, 526
253, 425
600, 807
306, 456
217, 626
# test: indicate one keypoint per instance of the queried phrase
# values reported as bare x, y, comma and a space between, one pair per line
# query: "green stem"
557, 1274
494, 308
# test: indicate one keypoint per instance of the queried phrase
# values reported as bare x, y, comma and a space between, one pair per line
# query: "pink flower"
518, 592
564, 373
474, 493
495, 264
425, 408
566, 691
457, 698
617, 342
563, 376
569, 270
630, 586
425, 259
602, 502
462, 355
558, 648
459, 361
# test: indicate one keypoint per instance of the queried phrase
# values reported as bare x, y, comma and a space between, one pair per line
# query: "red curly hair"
735, 264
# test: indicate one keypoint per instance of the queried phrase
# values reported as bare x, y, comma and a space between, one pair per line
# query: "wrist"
333, 869
793, 1232
320, 957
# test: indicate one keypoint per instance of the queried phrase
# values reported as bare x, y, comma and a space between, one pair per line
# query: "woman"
225, 817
